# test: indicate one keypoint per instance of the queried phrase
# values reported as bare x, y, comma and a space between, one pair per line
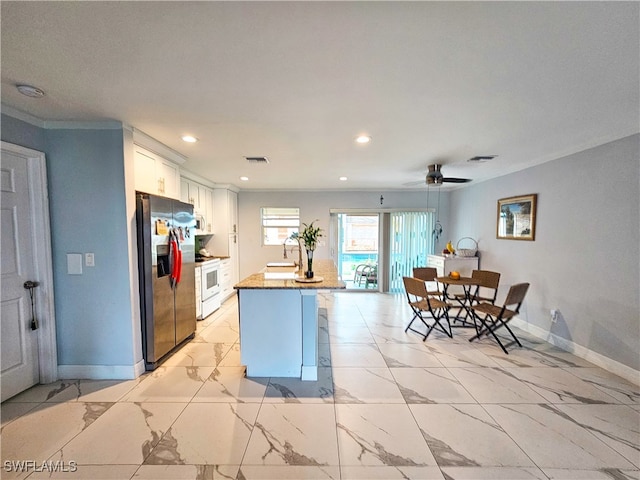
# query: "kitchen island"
279, 320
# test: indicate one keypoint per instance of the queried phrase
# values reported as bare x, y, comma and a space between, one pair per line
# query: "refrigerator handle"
173, 256
176, 258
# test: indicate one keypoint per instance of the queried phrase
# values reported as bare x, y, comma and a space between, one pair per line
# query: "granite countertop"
207, 260
212, 258
323, 268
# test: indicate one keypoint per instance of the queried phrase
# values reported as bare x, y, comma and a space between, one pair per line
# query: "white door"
22, 200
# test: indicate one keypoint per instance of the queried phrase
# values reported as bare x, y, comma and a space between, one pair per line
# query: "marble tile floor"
386, 406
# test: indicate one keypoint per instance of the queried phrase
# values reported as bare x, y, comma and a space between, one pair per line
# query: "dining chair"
487, 281
357, 275
492, 317
422, 303
428, 274
370, 274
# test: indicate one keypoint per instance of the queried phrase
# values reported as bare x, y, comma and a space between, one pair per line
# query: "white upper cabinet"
233, 211
226, 211
155, 174
208, 210
193, 193
225, 225
201, 197
145, 167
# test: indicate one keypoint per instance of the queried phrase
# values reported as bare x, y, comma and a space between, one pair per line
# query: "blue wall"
22, 133
85, 172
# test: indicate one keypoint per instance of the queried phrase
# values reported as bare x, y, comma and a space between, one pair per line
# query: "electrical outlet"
89, 260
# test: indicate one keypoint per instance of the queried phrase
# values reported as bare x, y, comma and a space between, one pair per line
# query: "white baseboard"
598, 359
101, 372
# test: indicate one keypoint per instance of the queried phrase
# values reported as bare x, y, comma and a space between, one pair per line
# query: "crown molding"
25, 117
146, 141
73, 125
60, 124
197, 178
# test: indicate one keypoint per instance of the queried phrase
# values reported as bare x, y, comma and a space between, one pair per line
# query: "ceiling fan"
435, 177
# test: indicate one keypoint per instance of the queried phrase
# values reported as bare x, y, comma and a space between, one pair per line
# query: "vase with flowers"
309, 236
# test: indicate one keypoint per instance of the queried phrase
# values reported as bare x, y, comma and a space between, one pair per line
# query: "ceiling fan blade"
456, 180
413, 184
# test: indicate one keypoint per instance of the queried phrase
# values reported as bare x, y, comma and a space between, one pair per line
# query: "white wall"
316, 205
585, 258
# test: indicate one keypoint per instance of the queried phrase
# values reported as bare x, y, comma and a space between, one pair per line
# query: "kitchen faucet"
295, 247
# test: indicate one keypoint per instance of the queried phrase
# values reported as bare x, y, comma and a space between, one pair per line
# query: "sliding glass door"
411, 242
373, 250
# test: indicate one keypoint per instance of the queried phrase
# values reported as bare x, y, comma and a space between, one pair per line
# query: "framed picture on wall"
517, 218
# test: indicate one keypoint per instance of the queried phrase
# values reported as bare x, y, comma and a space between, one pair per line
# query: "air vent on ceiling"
482, 158
257, 159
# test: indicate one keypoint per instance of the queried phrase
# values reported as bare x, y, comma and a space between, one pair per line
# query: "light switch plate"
74, 263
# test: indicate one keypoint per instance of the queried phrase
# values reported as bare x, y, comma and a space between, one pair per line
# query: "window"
278, 224
360, 233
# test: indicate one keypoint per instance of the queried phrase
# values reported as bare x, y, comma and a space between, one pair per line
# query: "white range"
207, 288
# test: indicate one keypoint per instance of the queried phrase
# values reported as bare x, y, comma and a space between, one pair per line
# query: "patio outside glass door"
358, 249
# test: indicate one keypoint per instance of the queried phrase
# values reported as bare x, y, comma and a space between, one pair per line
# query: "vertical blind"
411, 242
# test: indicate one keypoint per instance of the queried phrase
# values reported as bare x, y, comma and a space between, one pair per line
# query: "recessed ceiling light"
343, 179
30, 91
363, 139
189, 139
244, 179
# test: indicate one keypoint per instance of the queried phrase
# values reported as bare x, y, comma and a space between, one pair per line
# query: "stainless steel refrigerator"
166, 264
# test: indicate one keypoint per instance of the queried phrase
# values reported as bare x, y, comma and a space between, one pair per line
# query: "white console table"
446, 265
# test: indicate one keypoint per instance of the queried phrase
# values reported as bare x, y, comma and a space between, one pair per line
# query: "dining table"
465, 301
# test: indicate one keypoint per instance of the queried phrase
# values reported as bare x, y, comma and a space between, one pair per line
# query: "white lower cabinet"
446, 265
199, 293
226, 278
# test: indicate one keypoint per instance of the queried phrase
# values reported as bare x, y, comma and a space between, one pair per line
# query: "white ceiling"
297, 81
